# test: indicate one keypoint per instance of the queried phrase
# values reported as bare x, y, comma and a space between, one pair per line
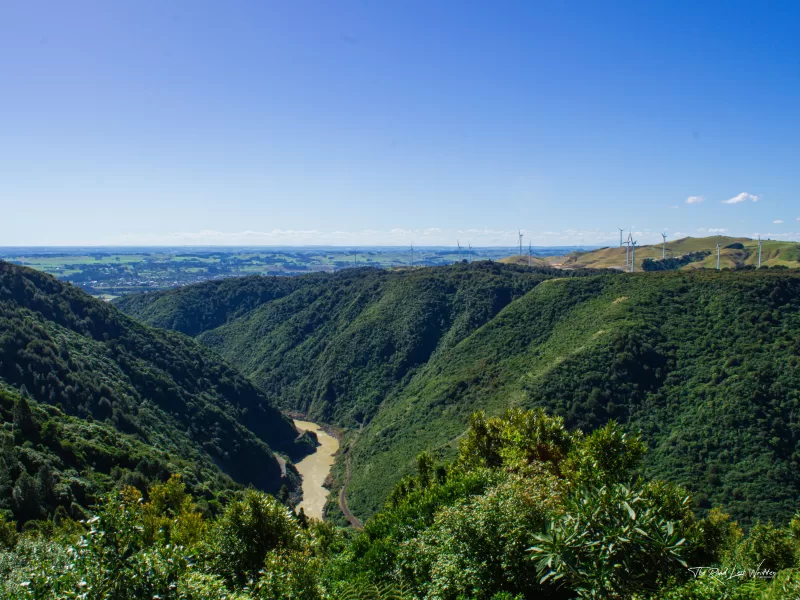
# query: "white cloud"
784, 236
777, 222
717, 230
743, 197
694, 200
674, 206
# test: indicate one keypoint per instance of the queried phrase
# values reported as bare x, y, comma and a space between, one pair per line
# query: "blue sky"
382, 122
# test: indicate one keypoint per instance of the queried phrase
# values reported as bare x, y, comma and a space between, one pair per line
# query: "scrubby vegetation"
527, 509
674, 263
91, 399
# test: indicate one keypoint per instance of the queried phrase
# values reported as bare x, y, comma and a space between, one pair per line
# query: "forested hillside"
197, 308
110, 400
338, 344
705, 364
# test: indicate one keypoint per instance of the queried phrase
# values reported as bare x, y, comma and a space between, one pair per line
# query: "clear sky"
375, 121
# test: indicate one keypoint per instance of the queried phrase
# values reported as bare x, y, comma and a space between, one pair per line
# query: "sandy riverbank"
314, 468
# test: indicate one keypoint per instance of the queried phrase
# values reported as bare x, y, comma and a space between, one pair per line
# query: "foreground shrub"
247, 531
609, 543
476, 548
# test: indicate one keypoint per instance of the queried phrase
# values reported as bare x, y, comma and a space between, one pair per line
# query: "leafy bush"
610, 543
524, 527
247, 532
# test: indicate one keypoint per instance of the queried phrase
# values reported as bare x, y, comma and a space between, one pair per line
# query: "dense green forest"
333, 346
704, 363
526, 509
91, 399
194, 309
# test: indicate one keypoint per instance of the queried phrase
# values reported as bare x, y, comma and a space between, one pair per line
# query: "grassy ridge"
525, 261
65, 349
773, 253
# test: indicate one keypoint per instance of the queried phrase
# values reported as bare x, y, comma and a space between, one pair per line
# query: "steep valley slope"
704, 364
91, 398
335, 346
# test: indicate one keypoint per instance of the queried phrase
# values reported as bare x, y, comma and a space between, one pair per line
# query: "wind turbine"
620, 236
633, 255
469, 253
663, 246
520, 242
759, 250
718, 247
628, 251
459, 250
412, 254
530, 254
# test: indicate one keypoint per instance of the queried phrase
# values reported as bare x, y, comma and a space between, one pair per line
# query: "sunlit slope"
773, 253
524, 261
335, 349
705, 364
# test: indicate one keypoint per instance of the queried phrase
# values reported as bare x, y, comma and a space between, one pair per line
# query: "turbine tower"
520, 242
633, 255
459, 250
620, 236
469, 253
759, 250
412, 254
718, 248
530, 254
663, 246
628, 252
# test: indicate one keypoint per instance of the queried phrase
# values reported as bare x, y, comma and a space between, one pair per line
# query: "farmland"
111, 272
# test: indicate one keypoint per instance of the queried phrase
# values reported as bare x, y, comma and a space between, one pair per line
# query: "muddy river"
315, 468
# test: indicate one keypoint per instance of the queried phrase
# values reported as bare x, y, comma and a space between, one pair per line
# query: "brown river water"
315, 468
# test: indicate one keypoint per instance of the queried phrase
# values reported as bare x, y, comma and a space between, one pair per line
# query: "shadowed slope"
83, 355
